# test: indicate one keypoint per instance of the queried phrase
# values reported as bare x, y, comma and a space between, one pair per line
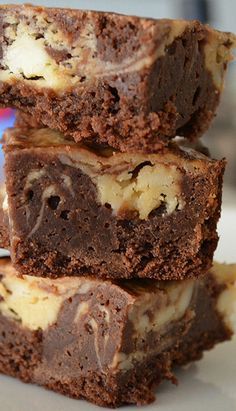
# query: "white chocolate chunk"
153, 186
35, 302
28, 57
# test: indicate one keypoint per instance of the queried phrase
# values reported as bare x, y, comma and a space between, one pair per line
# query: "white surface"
204, 386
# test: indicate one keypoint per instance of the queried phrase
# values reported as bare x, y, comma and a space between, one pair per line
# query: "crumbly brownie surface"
131, 82
109, 342
74, 210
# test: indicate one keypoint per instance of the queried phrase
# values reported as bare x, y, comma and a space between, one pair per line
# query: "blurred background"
221, 138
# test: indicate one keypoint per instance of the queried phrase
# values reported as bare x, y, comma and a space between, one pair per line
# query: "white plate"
204, 386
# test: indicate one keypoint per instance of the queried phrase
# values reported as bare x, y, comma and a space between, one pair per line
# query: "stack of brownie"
110, 218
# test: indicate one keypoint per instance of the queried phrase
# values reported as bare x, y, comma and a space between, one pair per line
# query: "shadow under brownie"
132, 83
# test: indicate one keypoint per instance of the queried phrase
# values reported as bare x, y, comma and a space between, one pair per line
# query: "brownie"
110, 342
132, 83
81, 210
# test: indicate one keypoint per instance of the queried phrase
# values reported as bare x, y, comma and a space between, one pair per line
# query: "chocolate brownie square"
85, 210
132, 83
110, 342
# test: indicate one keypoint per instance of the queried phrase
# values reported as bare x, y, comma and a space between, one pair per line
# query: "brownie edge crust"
108, 342
74, 211
132, 83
